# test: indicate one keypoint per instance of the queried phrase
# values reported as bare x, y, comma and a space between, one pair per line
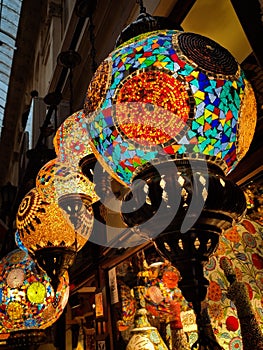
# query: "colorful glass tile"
17, 311
72, 141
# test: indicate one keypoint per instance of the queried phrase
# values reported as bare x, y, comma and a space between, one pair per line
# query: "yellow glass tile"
200, 94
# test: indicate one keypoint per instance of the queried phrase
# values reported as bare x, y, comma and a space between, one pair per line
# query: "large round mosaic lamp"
46, 231
170, 115
29, 304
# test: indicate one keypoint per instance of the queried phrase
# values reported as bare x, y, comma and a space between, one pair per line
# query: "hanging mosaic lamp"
72, 140
29, 304
57, 179
73, 147
169, 95
46, 231
175, 110
57, 182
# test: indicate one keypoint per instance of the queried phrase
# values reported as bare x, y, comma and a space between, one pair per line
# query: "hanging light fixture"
29, 304
58, 183
144, 335
72, 140
175, 110
46, 232
57, 179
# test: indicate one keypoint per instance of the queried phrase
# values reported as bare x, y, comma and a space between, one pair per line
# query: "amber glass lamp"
175, 110
46, 231
29, 303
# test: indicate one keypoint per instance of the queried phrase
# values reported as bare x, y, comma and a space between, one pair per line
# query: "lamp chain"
92, 41
142, 8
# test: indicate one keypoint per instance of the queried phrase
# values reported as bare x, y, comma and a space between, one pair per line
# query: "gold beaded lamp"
29, 303
60, 183
46, 231
57, 179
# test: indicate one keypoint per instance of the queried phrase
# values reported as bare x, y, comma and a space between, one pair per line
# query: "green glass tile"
214, 132
198, 101
190, 133
196, 148
201, 120
213, 141
195, 82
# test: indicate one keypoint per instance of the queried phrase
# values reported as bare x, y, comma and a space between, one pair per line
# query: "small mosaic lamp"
72, 140
46, 231
29, 303
57, 179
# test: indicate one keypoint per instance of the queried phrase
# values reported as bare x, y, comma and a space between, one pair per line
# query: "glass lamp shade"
169, 95
57, 179
41, 224
72, 141
28, 300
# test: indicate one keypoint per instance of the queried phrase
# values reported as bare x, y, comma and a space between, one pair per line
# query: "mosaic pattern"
242, 247
212, 98
35, 220
17, 312
247, 122
72, 141
97, 88
136, 113
56, 179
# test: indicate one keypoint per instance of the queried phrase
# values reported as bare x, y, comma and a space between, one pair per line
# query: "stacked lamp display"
168, 115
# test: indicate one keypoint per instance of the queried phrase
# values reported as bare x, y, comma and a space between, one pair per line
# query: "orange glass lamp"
48, 234
72, 140
29, 303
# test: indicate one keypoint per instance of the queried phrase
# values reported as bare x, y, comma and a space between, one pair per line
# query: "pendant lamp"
29, 304
46, 232
170, 114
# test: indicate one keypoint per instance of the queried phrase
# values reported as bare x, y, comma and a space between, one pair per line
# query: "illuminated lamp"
59, 183
181, 96
73, 147
29, 304
46, 231
175, 110
72, 140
